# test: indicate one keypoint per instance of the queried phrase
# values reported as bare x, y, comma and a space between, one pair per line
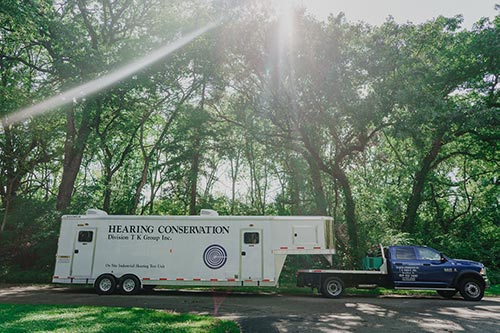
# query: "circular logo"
215, 256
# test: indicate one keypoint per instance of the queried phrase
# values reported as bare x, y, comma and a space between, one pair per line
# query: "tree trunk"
419, 183
195, 168
74, 148
295, 187
106, 205
350, 213
235, 166
140, 186
7, 201
319, 193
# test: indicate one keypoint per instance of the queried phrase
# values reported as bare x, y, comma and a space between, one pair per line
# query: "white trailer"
125, 253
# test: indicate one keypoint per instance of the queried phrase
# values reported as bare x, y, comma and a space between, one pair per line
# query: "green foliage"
28, 244
35, 318
391, 130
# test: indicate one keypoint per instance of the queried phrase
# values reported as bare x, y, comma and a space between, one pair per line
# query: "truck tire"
333, 287
105, 284
129, 284
448, 294
471, 289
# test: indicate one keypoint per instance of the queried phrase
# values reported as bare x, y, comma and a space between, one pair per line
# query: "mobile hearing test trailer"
125, 253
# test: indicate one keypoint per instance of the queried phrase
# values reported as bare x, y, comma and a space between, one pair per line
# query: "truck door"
251, 254
405, 267
434, 271
83, 252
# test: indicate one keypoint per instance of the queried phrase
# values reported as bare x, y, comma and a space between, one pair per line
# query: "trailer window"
251, 238
85, 236
405, 253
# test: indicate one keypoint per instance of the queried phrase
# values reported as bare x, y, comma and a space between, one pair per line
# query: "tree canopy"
393, 129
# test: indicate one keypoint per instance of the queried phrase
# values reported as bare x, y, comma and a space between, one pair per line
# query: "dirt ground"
285, 313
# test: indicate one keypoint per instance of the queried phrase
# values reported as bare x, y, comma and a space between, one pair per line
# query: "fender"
470, 273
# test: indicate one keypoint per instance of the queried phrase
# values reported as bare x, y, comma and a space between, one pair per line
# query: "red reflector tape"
213, 280
283, 247
317, 271
163, 279
266, 280
248, 280
180, 279
317, 247
231, 280
56, 277
300, 247
146, 279
196, 279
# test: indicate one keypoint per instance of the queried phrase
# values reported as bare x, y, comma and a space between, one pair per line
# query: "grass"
73, 319
493, 290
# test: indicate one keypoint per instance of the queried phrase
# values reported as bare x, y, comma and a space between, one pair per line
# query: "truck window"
428, 254
405, 253
251, 238
85, 236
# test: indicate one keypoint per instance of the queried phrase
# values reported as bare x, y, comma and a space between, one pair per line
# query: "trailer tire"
332, 287
448, 294
471, 289
105, 284
129, 284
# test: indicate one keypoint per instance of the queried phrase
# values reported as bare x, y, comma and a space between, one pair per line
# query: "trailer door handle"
243, 253
76, 251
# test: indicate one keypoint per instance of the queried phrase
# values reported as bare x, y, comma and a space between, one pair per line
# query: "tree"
317, 96
23, 147
434, 109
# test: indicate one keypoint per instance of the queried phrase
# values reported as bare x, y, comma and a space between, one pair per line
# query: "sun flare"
285, 10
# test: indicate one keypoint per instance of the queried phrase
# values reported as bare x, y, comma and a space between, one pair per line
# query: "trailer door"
251, 254
83, 252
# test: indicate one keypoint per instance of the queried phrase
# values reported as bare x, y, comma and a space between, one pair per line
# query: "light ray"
103, 82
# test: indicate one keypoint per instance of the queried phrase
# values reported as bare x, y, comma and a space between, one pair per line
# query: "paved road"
279, 313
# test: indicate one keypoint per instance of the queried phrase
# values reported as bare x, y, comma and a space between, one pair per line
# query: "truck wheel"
129, 284
105, 284
446, 293
332, 287
471, 289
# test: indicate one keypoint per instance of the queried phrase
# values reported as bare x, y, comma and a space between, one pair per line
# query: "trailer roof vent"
97, 212
208, 212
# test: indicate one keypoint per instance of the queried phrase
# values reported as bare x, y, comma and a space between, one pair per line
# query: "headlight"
483, 271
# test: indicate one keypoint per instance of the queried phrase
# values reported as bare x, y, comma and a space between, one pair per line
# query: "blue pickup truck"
404, 267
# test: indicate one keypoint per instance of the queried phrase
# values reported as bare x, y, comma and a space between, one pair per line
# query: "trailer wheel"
129, 284
333, 287
471, 289
105, 284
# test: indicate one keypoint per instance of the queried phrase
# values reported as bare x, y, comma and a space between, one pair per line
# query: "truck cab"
421, 267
